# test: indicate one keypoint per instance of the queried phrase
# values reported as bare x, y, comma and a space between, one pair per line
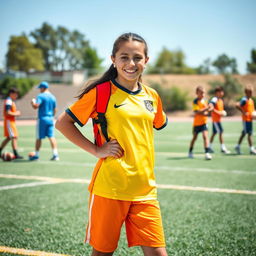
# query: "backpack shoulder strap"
103, 92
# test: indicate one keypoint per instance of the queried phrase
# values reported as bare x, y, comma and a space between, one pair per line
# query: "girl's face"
248, 93
220, 94
14, 95
130, 61
200, 94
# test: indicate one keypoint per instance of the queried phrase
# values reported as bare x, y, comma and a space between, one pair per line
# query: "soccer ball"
224, 113
31, 154
8, 156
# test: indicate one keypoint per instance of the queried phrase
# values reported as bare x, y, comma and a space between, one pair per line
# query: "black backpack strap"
103, 92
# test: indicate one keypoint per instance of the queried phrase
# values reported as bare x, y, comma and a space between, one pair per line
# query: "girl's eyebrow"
126, 54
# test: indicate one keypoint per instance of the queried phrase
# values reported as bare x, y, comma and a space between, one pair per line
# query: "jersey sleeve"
242, 102
213, 101
195, 105
84, 108
8, 104
160, 120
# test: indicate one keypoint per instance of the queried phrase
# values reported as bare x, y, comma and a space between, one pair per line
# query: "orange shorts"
106, 216
10, 129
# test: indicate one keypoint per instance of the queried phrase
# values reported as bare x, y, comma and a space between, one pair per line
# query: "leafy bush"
232, 88
232, 92
22, 84
172, 98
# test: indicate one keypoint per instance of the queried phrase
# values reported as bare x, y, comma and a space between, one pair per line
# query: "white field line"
205, 189
160, 167
161, 186
25, 185
203, 170
19, 251
43, 178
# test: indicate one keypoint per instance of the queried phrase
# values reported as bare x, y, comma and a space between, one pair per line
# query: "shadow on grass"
179, 158
21, 161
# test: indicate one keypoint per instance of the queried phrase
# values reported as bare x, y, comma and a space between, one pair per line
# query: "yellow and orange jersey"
247, 105
131, 117
198, 104
9, 104
218, 105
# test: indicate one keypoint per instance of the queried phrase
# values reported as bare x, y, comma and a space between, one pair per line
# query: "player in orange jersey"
246, 107
201, 110
10, 129
218, 111
123, 187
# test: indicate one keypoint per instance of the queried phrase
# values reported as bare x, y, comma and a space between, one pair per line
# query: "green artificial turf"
53, 217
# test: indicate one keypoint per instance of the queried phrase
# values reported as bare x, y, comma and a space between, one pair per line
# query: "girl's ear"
146, 60
113, 59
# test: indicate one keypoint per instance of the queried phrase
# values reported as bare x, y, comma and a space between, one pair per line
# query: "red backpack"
103, 92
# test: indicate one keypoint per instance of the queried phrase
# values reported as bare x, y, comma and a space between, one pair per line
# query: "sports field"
208, 207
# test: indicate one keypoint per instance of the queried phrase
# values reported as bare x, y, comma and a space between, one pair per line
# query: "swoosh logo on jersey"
118, 106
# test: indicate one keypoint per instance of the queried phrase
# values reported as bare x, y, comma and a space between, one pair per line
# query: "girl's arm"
11, 113
203, 111
238, 106
66, 125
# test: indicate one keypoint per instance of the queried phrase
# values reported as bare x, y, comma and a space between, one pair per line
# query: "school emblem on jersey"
149, 105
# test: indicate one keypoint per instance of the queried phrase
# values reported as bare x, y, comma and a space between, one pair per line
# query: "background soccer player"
46, 105
218, 111
10, 129
201, 110
246, 107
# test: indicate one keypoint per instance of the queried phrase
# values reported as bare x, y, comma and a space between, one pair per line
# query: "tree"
205, 68
22, 55
251, 66
224, 64
63, 49
91, 61
46, 40
77, 45
172, 62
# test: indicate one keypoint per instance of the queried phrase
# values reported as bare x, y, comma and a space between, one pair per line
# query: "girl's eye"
137, 58
124, 58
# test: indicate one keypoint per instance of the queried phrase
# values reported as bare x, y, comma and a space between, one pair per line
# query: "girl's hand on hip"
111, 148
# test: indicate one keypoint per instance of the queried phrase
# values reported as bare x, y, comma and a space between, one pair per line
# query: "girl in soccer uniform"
123, 186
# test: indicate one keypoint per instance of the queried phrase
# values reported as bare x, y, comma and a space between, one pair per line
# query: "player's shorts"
247, 128
10, 129
200, 128
45, 128
106, 216
217, 127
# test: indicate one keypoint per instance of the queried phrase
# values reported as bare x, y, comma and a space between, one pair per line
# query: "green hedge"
173, 98
22, 84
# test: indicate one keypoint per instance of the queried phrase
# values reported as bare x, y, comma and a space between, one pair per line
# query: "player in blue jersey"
46, 105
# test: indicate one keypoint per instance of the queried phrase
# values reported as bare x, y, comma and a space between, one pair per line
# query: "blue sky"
201, 28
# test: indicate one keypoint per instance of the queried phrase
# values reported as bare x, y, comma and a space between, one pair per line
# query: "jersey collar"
125, 89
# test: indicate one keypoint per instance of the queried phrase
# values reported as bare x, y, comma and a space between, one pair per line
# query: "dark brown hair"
111, 73
219, 89
13, 90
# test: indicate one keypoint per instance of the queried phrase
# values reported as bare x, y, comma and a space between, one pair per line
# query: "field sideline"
208, 207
